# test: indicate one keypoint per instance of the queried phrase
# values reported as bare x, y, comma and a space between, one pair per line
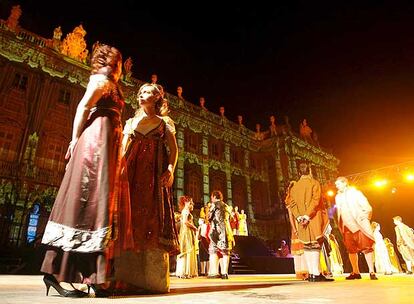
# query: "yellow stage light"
330, 193
409, 177
380, 183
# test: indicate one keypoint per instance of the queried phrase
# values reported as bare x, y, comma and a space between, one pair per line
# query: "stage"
239, 289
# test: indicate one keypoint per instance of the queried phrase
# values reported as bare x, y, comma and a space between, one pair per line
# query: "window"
53, 153
237, 156
253, 163
194, 189
8, 143
64, 96
20, 82
192, 142
216, 149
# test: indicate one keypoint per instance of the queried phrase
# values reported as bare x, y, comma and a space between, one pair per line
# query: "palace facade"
41, 82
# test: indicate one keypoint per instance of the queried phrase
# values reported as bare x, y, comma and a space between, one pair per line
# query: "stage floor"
239, 289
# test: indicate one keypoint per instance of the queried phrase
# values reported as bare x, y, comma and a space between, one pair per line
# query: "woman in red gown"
151, 155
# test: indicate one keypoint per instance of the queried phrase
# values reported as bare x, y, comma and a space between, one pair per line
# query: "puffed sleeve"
128, 127
170, 124
98, 81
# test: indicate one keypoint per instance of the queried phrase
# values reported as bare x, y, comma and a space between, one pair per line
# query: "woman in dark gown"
151, 155
85, 216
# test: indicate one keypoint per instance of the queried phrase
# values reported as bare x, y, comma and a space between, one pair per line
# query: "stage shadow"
204, 289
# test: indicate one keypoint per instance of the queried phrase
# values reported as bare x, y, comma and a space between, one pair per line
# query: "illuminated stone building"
41, 82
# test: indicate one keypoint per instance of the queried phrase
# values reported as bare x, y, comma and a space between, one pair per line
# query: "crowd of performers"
316, 252
113, 224
205, 249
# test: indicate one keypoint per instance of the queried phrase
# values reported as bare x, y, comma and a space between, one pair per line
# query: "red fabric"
357, 242
152, 213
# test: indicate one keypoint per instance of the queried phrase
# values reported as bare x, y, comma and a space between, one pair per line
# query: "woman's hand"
167, 179
69, 152
71, 147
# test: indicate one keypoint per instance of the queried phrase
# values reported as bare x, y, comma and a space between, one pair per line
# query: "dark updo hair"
105, 60
217, 194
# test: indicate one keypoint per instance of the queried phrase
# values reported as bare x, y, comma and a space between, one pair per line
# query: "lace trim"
72, 239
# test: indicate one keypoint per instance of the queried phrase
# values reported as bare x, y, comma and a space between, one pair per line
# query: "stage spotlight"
394, 190
409, 177
330, 193
380, 183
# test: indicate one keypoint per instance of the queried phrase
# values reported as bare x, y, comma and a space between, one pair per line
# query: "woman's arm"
93, 93
190, 225
167, 178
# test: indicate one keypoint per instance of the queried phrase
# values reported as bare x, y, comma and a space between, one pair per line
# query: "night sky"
348, 69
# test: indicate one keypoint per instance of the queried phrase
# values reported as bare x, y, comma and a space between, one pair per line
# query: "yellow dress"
395, 263
243, 224
335, 258
187, 259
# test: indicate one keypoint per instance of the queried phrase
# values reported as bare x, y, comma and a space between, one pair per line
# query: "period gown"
382, 258
152, 214
187, 259
85, 216
335, 256
243, 224
395, 263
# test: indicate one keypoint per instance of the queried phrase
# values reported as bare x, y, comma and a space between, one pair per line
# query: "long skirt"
80, 224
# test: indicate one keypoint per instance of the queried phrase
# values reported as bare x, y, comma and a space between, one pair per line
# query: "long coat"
354, 212
220, 234
304, 198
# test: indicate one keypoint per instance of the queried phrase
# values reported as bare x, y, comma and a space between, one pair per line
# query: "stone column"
228, 173
179, 172
206, 178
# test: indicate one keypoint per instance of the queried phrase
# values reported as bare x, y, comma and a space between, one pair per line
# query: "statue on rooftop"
74, 45
202, 103
223, 117
154, 78
241, 125
305, 131
13, 21
127, 68
273, 127
56, 41
180, 92
259, 134
57, 33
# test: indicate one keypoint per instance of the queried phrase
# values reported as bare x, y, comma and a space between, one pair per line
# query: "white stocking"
409, 265
369, 257
224, 264
312, 261
213, 264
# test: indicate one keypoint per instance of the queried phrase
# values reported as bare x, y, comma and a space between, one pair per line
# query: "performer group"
113, 227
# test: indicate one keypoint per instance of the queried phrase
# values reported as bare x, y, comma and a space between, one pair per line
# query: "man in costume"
354, 215
306, 207
405, 242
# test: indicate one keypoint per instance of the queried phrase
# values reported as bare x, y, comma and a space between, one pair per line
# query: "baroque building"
41, 82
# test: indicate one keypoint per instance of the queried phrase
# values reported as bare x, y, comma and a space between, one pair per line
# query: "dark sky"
348, 69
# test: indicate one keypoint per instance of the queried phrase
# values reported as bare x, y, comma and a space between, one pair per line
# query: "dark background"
347, 68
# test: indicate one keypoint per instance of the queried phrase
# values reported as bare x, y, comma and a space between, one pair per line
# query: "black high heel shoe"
99, 291
50, 280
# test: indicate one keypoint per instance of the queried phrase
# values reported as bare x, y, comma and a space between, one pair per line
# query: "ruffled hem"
77, 240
